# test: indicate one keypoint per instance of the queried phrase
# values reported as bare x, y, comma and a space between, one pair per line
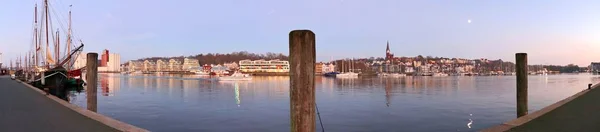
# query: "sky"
551, 32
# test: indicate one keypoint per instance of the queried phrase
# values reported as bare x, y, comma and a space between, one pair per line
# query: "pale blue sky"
552, 32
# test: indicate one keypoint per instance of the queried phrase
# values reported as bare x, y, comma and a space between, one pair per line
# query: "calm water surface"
190, 103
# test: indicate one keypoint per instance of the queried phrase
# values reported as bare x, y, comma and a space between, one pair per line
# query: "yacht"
236, 76
201, 73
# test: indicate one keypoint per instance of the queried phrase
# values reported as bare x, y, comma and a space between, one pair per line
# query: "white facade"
264, 66
113, 65
80, 61
190, 64
328, 68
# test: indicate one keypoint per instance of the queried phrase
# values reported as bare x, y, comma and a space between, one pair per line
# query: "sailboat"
56, 71
349, 74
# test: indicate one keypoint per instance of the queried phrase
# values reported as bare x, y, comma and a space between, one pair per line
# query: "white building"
190, 64
328, 68
264, 66
112, 65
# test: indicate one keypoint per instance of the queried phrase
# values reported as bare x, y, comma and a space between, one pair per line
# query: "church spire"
387, 49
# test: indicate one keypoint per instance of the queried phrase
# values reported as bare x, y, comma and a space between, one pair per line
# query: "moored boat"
236, 76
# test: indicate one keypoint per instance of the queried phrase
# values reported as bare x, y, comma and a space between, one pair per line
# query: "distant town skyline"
551, 32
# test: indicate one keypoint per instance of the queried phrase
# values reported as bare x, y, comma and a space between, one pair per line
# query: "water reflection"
191, 103
109, 85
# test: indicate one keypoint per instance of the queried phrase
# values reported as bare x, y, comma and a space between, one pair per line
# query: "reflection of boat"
236, 76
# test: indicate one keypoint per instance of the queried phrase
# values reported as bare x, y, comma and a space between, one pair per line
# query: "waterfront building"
135, 66
276, 66
190, 64
595, 67
161, 65
409, 69
109, 62
149, 66
80, 61
174, 65
219, 69
319, 68
328, 68
231, 66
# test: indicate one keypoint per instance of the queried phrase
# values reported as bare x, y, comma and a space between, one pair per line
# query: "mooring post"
302, 77
521, 70
91, 79
589, 86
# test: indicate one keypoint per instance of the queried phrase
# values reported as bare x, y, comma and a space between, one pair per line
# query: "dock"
577, 113
27, 110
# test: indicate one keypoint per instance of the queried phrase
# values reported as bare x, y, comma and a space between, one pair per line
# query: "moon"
469, 21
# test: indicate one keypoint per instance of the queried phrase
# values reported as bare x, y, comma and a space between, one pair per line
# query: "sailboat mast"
69, 33
68, 52
57, 47
35, 36
47, 38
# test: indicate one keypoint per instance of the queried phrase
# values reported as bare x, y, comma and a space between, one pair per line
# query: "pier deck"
24, 110
578, 115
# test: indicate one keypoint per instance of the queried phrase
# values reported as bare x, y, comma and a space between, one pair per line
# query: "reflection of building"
109, 85
264, 66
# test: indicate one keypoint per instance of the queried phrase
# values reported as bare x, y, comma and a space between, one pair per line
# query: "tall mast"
69, 33
57, 47
69, 38
35, 36
48, 55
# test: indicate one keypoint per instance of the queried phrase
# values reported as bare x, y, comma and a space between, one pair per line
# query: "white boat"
439, 74
201, 73
236, 76
347, 75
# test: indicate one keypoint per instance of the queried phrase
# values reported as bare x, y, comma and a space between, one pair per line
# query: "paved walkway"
24, 110
581, 114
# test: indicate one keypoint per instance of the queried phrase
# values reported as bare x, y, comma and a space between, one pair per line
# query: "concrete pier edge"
524, 119
121, 126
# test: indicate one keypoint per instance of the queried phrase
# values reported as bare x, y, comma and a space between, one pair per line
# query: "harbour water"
191, 103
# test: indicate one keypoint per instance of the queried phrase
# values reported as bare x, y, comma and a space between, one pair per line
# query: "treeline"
218, 58
571, 68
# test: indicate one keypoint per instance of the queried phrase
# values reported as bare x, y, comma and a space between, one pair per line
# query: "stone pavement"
23, 109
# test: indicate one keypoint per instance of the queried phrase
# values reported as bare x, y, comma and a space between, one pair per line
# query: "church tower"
388, 53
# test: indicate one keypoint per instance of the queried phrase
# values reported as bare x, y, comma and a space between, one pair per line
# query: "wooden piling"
521, 70
302, 77
91, 79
